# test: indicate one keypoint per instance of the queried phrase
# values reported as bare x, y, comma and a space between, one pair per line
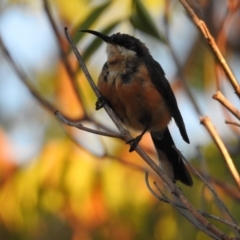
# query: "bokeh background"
57, 182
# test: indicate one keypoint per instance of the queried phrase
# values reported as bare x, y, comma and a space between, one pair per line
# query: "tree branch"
81, 127
233, 123
213, 46
220, 98
208, 186
63, 55
23, 77
177, 63
215, 136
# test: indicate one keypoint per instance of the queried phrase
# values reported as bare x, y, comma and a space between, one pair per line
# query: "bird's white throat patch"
116, 51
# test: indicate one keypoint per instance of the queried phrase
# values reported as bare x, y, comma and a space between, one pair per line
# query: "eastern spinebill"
135, 87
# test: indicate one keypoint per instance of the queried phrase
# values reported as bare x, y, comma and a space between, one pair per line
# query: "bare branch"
233, 225
161, 198
220, 97
215, 136
184, 211
63, 55
107, 156
208, 185
233, 123
23, 77
165, 199
80, 126
82, 64
211, 42
176, 61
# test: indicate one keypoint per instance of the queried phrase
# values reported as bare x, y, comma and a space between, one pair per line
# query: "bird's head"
122, 45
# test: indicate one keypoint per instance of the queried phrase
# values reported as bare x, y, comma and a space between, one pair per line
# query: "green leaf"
95, 44
89, 20
141, 19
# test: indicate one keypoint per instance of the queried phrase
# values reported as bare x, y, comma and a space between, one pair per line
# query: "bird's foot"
100, 102
134, 142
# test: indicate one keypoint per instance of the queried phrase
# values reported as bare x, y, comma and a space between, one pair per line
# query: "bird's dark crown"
130, 43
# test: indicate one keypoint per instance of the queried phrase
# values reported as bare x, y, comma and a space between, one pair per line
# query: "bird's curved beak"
105, 38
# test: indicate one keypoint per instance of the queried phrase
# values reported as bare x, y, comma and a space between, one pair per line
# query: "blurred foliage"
200, 76
141, 19
68, 192
90, 20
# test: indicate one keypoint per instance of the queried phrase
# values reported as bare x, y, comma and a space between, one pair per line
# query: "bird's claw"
133, 143
100, 102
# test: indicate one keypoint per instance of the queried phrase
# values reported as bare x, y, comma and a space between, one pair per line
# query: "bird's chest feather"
133, 96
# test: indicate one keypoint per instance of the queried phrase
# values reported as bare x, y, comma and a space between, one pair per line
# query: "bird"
134, 85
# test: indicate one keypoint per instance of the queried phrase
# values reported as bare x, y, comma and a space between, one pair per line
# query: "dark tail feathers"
175, 163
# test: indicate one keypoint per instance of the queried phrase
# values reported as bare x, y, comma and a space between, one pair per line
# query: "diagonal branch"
176, 61
213, 46
81, 127
23, 77
220, 97
63, 55
165, 199
215, 136
208, 185
232, 123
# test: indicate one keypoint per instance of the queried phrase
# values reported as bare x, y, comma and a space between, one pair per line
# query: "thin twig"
181, 208
221, 41
82, 64
63, 55
220, 97
233, 123
185, 213
213, 46
161, 198
106, 156
227, 188
80, 126
23, 77
165, 199
177, 63
204, 172
208, 185
215, 136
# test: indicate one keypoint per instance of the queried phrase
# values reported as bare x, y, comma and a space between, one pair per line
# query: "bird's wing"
159, 80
